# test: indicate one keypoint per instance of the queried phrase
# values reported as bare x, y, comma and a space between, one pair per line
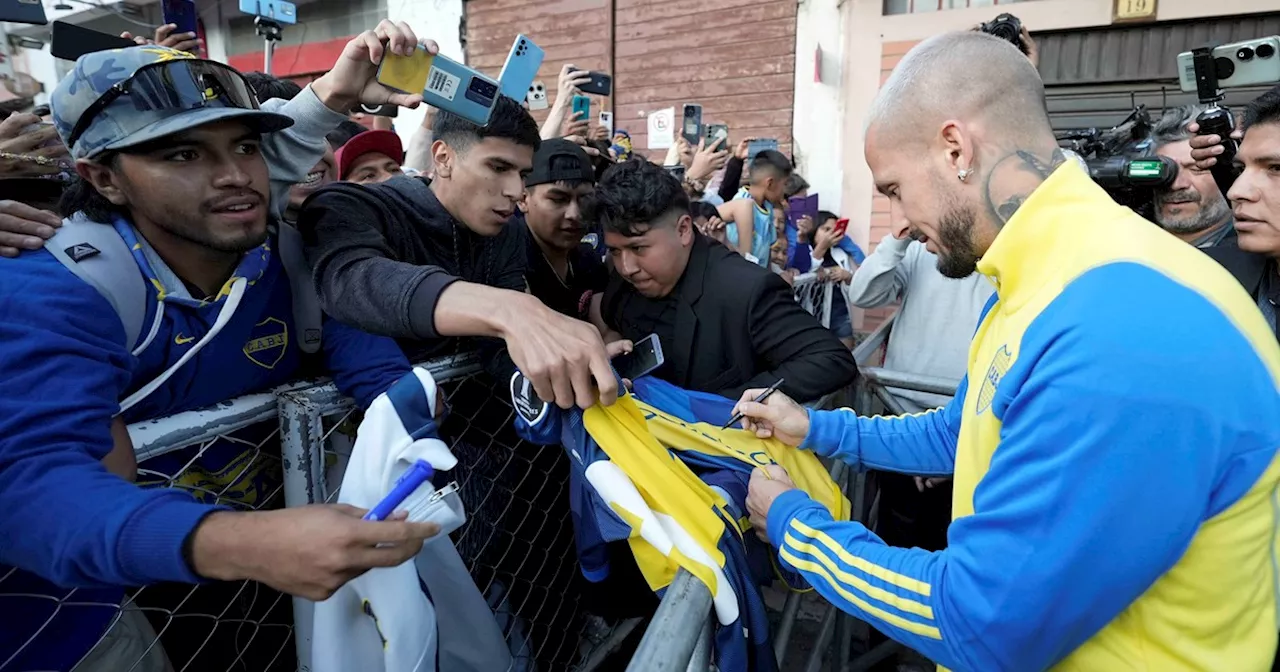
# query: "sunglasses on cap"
176, 86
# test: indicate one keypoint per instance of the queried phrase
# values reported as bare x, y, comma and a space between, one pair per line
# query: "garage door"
734, 57
1095, 77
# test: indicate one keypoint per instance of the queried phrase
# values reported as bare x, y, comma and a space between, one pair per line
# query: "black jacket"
738, 326
382, 254
1247, 267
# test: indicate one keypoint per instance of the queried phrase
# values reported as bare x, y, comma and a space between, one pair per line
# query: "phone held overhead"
599, 83
444, 83
521, 67
71, 41
691, 124
23, 11
581, 107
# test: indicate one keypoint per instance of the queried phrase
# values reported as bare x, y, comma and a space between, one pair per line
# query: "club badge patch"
525, 400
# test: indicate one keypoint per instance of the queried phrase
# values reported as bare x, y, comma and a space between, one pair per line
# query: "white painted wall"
816, 128
434, 19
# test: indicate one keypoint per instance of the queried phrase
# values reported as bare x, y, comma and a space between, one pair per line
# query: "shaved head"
962, 75
957, 139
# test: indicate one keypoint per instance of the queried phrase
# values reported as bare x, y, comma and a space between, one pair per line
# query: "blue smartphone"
581, 104
521, 67
276, 10
445, 84
181, 13
23, 11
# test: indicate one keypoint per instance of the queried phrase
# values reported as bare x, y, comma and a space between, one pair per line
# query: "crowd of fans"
161, 260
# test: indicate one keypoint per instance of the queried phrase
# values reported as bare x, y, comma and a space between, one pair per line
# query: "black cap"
560, 160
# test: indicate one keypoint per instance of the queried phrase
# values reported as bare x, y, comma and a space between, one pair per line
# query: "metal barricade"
289, 447
814, 295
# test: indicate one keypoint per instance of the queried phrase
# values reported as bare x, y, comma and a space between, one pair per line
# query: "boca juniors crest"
999, 366
267, 343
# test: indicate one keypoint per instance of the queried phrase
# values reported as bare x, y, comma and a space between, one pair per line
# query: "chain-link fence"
290, 447
518, 540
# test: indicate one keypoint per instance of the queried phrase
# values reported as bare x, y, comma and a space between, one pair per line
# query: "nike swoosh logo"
183, 341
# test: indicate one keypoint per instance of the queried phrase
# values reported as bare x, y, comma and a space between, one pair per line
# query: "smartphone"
759, 145
717, 132
537, 96
804, 207
1246, 63
521, 67
276, 10
677, 171
645, 358
600, 83
444, 83
842, 226
70, 41
606, 120
581, 104
181, 13
23, 11
385, 110
691, 124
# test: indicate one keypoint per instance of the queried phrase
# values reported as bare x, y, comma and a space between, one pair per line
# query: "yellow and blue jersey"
656, 470
1114, 452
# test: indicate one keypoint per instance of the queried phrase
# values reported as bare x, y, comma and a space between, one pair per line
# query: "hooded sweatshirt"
383, 253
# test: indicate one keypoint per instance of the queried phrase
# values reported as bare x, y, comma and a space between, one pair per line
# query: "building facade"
801, 71
1095, 68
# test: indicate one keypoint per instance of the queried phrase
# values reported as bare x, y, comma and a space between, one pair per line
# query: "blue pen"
408, 482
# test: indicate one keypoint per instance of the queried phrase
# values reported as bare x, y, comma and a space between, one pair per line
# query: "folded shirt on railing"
656, 470
385, 620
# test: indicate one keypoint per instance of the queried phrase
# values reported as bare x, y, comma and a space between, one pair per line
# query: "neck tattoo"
1014, 176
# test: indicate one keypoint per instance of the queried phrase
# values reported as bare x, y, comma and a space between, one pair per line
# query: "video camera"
1121, 160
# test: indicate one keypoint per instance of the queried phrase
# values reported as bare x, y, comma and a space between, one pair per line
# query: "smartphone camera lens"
1265, 51
1244, 54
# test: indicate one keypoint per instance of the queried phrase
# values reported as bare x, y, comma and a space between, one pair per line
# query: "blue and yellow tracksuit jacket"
656, 469
1114, 450
65, 369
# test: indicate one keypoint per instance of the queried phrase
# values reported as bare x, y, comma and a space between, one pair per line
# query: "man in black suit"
725, 324
1255, 195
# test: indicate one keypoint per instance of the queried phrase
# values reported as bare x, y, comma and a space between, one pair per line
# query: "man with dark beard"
1193, 209
1108, 513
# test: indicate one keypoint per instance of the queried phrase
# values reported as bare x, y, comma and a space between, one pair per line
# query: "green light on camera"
1145, 168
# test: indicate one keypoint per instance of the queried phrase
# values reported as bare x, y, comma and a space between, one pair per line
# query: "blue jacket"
1114, 451
62, 356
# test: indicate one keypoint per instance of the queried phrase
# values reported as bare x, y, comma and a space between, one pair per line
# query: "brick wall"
890, 54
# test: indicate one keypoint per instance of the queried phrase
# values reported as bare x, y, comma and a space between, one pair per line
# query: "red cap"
382, 142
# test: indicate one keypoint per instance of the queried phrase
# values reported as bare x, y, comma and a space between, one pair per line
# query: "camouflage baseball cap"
180, 93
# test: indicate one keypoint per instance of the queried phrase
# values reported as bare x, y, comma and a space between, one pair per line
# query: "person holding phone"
836, 266
724, 323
